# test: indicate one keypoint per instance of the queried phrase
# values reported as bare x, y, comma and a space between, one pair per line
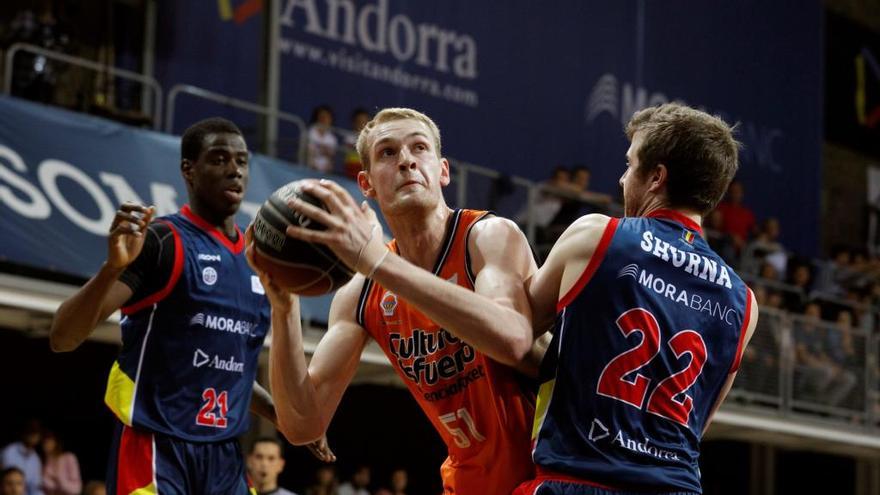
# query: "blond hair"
365, 141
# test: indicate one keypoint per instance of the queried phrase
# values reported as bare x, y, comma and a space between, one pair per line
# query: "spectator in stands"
579, 200
815, 371
325, 482
265, 463
322, 141
719, 240
768, 272
12, 482
399, 481
800, 280
61, 474
760, 362
842, 352
359, 483
23, 455
35, 76
765, 248
352, 162
836, 273
547, 204
95, 487
739, 221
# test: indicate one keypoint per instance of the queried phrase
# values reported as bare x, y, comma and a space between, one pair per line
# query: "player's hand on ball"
278, 297
126, 237
321, 449
352, 232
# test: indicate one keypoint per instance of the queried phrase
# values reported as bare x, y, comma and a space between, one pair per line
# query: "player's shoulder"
492, 226
587, 230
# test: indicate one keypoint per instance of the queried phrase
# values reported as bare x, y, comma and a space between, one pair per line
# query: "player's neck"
225, 224
420, 237
653, 207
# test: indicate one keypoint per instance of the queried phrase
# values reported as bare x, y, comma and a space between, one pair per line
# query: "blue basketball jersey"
642, 347
190, 351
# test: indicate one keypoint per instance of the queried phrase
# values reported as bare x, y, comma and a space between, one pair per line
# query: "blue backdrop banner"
62, 176
521, 86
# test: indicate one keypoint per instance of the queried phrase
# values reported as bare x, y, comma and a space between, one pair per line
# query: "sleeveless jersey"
189, 352
475, 404
643, 345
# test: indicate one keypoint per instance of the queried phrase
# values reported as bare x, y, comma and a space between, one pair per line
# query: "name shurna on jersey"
694, 264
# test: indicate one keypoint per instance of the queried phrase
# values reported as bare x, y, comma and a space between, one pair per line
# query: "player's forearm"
495, 329
78, 316
295, 397
262, 404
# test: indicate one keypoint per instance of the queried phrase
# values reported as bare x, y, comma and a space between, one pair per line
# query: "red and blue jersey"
190, 350
643, 345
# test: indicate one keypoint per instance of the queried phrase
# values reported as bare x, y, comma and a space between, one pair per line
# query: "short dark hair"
359, 111
6, 472
698, 150
267, 440
318, 109
193, 139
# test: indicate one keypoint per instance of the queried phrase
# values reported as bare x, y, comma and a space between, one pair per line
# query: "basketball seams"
274, 210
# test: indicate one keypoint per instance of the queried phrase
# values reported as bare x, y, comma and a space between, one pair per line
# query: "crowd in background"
38, 464
818, 315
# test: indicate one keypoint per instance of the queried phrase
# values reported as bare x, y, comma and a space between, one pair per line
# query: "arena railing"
110, 70
229, 101
802, 367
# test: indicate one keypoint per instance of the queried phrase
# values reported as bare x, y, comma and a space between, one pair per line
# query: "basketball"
297, 266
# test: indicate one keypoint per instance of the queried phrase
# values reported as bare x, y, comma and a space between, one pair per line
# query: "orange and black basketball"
300, 267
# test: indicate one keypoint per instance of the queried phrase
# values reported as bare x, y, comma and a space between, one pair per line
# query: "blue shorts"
145, 462
548, 484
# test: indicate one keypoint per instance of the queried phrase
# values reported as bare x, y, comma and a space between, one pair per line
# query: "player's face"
219, 177
405, 170
265, 463
635, 185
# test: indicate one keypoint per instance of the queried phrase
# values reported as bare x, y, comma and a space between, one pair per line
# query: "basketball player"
650, 323
451, 282
194, 319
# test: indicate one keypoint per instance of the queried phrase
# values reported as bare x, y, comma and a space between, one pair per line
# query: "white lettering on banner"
51, 170
164, 198
37, 208
35, 203
371, 27
120, 188
622, 101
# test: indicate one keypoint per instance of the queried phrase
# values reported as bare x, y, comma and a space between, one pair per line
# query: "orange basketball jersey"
476, 404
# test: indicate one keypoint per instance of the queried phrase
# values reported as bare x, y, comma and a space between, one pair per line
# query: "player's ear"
659, 178
444, 172
186, 169
365, 185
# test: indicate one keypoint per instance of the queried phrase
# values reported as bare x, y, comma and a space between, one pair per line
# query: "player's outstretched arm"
306, 396
262, 404
103, 294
